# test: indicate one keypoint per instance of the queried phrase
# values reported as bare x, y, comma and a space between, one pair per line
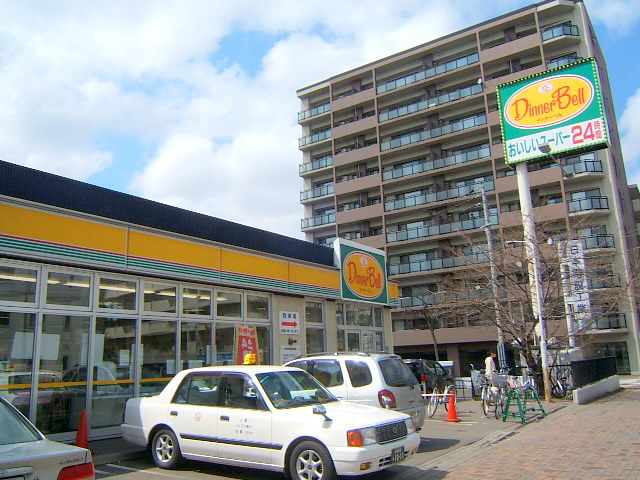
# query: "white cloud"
629, 127
619, 16
218, 140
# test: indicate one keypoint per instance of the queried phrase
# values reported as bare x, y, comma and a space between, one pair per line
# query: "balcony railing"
612, 281
585, 166
316, 164
415, 137
436, 264
315, 138
428, 73
316, 192
590, 203
408, 202
427, 165
430, 102
610, 321
325, 219
562, 61
430, 231
314, 112
560, 31
599, 240
419, 301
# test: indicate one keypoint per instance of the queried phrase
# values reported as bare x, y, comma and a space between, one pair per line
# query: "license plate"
397, 455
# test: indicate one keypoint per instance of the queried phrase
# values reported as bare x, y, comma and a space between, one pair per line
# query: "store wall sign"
363, 272
561, 108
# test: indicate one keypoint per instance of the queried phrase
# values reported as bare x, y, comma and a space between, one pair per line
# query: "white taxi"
267, 417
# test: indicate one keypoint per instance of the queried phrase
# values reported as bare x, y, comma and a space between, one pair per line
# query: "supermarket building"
105, 296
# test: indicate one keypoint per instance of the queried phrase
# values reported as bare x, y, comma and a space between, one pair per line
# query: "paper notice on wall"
288, 353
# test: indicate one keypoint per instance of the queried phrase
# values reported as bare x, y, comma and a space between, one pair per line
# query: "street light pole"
535, 279
502, 356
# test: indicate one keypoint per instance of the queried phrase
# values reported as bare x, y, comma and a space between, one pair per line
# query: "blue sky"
193, 102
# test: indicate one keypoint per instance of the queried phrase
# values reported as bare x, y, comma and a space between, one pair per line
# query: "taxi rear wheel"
311, 461
165, 449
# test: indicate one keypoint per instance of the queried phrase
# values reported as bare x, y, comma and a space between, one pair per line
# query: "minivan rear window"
396, 373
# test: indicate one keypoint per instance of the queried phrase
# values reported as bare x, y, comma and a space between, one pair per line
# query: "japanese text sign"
561, 108
246, 342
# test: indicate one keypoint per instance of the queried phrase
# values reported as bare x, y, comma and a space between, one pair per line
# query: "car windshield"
14, 428
396, 373
293, 389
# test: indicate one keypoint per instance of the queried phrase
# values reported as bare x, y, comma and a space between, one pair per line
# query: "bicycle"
492, 395
438, 397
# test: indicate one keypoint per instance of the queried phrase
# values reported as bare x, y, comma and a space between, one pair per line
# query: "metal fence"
584, 372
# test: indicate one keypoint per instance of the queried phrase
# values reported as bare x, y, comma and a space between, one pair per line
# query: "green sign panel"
560, 108
363, 272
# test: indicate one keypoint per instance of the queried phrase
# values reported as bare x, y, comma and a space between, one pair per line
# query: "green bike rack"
520, 396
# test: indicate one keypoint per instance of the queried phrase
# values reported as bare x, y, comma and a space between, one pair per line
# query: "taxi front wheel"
165, 449
311, 461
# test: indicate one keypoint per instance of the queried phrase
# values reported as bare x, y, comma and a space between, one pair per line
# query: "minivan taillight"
423, 377
78, 472
387, 399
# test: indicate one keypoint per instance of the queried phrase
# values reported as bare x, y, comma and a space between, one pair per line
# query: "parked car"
26, 454
377, 379
266, 417
430, 374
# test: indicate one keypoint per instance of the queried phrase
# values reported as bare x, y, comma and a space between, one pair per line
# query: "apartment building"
396, 155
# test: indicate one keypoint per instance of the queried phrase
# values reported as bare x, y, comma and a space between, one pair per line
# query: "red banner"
246, 343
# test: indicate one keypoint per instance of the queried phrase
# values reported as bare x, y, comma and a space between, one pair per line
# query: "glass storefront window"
16, 358
63, 355
228, 304
159, 298
258, 307
264, 345
340, 313
313, 312
225, 337
117, 294
195, 344
196, 301
315, 340
113, 370
378, 317
68, 289
158, 347
18, 284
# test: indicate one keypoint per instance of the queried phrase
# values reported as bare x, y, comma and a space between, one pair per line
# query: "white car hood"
354, 415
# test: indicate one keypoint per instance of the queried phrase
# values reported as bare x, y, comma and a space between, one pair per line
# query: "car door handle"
224, 418
173, 413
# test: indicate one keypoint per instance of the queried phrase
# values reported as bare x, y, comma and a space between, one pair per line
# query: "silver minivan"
377, 379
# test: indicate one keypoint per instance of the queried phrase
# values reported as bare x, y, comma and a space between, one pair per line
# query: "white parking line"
129, 469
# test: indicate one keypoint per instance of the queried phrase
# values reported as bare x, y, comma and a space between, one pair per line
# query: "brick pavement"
595, 441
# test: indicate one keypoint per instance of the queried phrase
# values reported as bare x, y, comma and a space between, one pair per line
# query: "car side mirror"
321, 410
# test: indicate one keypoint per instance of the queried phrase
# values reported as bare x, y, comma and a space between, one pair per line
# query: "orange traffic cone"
82, 435
453, 413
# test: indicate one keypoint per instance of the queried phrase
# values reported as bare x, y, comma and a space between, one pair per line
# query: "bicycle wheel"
489, 402
450, 389
500, 402
485, 400
434, 399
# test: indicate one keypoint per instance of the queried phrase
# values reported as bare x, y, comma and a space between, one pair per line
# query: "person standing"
490, 364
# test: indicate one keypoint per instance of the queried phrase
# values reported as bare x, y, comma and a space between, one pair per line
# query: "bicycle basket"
498, 380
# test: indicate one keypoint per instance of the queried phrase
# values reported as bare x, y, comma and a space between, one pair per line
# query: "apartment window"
160, 298
68, 289
117, 294
18, 284
228, 304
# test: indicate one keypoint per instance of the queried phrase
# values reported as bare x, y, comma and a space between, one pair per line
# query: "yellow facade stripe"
314, 276
158, 247
239, 262
51, 227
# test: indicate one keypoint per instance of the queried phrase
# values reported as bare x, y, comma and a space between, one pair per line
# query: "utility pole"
502, 354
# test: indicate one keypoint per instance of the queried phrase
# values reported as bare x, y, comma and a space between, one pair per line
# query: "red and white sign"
289, 323
246, 342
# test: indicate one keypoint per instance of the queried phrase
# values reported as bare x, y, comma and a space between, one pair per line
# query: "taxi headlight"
361, 437
411, 425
